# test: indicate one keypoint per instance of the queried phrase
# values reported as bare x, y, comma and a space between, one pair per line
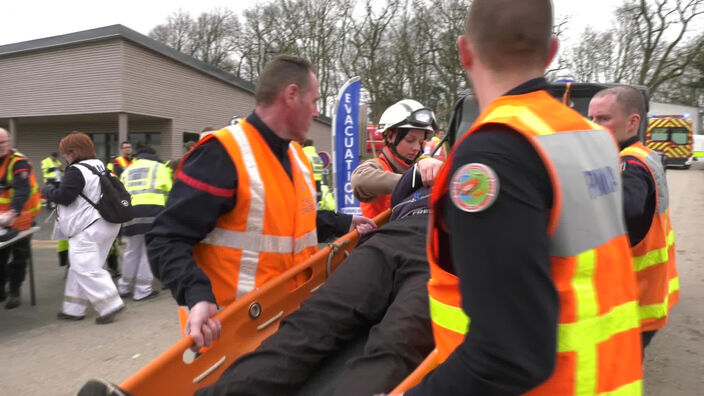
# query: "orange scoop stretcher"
245, 324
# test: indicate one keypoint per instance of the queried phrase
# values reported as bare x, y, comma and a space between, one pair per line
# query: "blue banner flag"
345, 140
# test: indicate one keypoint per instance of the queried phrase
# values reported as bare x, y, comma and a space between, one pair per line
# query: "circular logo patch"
474, 187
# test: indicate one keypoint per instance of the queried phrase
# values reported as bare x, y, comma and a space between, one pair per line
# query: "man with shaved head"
531, 289
620, 109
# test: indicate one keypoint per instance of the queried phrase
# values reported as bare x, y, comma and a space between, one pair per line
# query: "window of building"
106, 145
152, 139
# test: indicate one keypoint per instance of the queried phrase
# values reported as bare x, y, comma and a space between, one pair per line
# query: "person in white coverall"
89, 235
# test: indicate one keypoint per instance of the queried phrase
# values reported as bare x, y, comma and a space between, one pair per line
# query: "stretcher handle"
428, 365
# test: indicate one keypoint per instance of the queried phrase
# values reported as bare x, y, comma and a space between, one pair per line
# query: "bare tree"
211, 38
368, 52
649, 47
177, 32
215, 37
559, 30
659, 27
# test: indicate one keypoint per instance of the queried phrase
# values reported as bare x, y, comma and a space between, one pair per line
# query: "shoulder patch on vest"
474, 187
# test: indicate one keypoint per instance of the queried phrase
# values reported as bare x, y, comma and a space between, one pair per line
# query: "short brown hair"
78, 145
632, 100
280, 72
509, 34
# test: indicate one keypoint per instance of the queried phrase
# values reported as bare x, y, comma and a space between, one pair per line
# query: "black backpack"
115, 204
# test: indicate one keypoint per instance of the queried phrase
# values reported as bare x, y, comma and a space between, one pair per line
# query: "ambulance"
671, 135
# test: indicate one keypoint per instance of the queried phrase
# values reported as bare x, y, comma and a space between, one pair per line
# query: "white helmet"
235, 120
407, 113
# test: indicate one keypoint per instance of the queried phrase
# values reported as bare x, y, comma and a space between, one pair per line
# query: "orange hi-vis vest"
272, 226
33, 205
123, 162
383, 202
120, 162
598, 344
654, 256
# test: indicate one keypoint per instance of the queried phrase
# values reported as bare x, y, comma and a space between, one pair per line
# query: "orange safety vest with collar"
272, 226
121, 162
383, 202
598, 346
654, 256
33, 205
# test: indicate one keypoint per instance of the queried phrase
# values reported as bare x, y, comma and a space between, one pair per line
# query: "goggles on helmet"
421, 118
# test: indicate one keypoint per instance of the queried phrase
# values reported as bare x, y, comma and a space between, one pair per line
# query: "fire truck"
671, 135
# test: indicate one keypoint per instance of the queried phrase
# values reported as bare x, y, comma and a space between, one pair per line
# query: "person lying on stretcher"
380, 289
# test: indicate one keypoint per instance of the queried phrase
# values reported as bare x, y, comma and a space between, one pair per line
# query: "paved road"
674, 361
40, 355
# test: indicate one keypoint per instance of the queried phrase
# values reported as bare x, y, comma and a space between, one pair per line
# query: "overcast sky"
23, 20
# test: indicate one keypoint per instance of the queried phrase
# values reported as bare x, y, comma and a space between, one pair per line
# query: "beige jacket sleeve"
370, 181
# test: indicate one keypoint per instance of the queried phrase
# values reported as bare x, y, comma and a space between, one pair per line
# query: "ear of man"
291, 93
464, 47
552, 50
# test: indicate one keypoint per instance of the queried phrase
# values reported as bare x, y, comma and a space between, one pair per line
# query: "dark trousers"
646, 337
13, 272
379, 289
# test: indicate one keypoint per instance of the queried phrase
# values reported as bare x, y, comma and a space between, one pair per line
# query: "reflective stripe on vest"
315, 162
33, 204
598, 346
140, 180
248, 240
48, 165
654, 256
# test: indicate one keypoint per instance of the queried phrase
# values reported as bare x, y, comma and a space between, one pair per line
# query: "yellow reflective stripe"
6, 200
590, 332
590, 329
674, 285
659, 311
587, 312
583, 285
149, 199
635, 388
654, 257
449, 317
699, 154
34, 209
524, 114
654, 311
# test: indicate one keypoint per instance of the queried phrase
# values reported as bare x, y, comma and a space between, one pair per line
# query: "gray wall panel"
68, 80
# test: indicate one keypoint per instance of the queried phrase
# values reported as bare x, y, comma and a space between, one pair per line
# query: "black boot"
112, 266
13, 301
63, 259
3, 295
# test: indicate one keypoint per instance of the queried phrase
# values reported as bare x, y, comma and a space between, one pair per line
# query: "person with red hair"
89, 235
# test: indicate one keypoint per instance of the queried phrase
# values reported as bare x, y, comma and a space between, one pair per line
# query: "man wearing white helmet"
404, 126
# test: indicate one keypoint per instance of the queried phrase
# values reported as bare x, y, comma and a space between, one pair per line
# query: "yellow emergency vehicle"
671, 135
